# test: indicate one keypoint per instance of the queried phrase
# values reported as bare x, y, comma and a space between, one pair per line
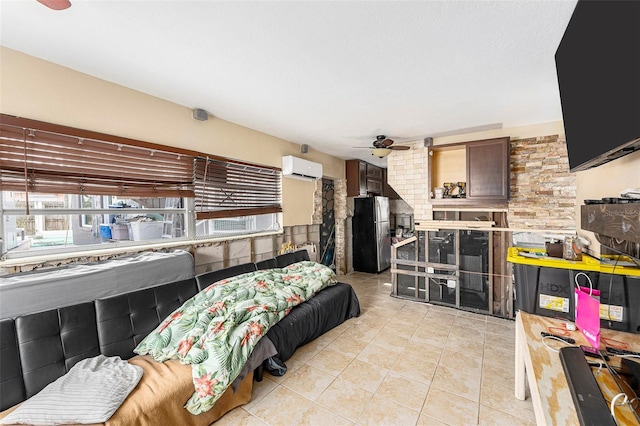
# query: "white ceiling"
330, 74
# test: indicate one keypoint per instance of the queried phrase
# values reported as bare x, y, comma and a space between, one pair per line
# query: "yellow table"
550, 394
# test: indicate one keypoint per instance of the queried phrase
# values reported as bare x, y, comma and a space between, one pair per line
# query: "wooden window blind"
33, 159
232, 189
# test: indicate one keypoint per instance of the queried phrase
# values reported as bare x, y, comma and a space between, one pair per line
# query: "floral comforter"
216, 330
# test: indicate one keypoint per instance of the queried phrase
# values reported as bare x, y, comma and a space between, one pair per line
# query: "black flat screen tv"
598, 68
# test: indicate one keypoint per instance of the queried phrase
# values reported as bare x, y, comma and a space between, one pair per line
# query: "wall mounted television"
598, 68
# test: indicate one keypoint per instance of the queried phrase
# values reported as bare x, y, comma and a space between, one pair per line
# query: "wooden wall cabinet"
374, 179
483, 165
364, 178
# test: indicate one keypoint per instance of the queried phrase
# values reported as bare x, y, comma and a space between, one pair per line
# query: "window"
243, 225
42, 161
234, 198
230, 189
68, 222
66, 189
86, 202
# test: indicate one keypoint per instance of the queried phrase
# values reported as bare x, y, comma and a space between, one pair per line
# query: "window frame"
221, 189
187, 192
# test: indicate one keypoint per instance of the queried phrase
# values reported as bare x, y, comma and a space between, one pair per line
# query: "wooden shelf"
455, 203
431, 225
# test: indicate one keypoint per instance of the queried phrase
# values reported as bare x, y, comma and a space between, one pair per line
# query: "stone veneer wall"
543, 191
340, 214
407, 174
340, 206
316, 219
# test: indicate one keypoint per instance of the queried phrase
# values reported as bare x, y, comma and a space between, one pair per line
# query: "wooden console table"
550, 394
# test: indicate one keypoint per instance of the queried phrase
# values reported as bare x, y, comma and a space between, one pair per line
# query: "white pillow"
90, 392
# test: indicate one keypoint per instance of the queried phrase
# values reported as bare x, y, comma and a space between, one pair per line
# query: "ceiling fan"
383, 146
56, 4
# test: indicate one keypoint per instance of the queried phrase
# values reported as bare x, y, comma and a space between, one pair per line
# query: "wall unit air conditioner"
298, 168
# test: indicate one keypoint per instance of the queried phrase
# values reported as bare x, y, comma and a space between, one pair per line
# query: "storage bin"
545, 286
619, 302
105, 232
119, 232
547, 291
141, 231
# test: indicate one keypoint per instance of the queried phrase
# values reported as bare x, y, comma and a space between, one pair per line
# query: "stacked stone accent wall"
543, 191
317, 203
340, 211
407, 174
340, 214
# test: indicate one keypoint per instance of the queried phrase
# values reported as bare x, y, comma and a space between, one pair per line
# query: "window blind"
231, 189
36, 160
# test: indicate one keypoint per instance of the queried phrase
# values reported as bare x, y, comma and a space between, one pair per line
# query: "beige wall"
609, 179
297, 207
40, 90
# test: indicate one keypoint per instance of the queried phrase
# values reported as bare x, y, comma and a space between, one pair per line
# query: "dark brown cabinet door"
374, 186
363, 178
353, 168
488, 169
374, 172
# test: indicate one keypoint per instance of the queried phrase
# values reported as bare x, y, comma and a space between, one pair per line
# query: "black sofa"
37, 348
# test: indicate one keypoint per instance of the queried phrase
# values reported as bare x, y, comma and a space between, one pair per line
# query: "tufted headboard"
124, 320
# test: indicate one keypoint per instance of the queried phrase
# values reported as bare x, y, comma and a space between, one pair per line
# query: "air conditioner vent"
299, 168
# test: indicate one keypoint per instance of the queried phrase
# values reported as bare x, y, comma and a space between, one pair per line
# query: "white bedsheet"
89, 393
41, 290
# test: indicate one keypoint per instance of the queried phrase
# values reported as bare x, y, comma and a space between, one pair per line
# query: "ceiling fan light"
381, 152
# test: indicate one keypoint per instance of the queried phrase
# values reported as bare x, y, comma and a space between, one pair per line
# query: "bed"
116, 325
159, 397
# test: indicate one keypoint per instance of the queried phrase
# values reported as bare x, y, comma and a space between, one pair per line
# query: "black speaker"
200, 114
304, 148
428, 142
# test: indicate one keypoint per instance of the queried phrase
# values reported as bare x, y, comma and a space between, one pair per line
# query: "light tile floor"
399, 363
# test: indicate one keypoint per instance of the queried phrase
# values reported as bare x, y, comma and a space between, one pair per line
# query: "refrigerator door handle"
378, 216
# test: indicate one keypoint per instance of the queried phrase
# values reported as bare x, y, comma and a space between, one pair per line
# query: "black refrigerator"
371, 234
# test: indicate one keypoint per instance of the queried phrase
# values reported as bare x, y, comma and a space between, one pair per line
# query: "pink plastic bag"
588, 314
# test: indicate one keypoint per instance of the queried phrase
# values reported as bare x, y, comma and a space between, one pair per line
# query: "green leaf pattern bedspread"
216, 330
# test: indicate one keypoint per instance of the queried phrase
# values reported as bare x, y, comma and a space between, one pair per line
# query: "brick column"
407, 174
340, 212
